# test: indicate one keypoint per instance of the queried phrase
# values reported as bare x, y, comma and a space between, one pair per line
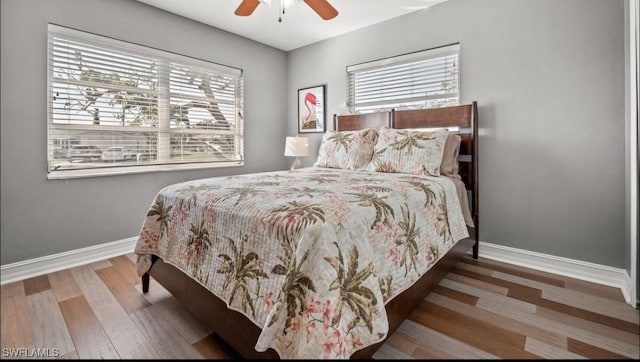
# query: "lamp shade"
297, 146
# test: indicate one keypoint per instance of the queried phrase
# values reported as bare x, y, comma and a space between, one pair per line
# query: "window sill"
114, 171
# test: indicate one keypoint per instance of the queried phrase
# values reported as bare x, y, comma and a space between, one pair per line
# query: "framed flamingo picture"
311, 109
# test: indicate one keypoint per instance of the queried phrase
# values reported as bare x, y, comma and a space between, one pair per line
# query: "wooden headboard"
361, 121
463, 116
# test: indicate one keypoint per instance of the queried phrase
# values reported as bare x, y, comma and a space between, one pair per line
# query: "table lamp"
296, 147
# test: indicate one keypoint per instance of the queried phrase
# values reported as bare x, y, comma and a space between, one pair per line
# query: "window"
117, 107
424, 79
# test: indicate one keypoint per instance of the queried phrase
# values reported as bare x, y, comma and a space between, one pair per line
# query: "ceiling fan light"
289, 3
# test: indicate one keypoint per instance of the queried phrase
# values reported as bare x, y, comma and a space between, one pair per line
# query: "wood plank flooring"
483, 309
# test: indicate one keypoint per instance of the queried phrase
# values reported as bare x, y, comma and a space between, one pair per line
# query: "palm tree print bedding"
311, 256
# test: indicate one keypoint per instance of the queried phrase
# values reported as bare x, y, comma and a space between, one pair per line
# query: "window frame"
387, 64
162, 128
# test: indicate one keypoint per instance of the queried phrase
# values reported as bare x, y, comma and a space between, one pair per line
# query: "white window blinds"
117, 107
424, 79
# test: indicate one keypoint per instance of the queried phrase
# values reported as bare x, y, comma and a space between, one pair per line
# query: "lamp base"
296, 162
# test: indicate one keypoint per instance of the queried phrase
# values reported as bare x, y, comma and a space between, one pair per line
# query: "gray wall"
41, 217
631, 137
548, 76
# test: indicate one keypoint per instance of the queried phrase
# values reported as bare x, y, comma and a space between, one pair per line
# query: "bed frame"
242, 334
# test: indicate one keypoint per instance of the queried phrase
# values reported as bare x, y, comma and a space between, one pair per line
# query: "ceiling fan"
321, 7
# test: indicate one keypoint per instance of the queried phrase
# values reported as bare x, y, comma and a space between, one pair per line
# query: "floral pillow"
350, 150
405, 151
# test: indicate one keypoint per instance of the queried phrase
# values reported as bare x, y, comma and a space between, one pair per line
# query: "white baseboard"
48, 264
595, 273
601, 274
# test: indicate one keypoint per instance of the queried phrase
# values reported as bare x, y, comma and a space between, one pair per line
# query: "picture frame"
312, 109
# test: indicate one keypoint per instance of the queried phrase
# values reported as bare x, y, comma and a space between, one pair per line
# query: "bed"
319, 262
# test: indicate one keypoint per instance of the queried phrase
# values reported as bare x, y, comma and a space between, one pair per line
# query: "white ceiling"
300, 25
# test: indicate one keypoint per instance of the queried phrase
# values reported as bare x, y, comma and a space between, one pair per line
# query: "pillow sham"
349, 150
405, 151
449, 165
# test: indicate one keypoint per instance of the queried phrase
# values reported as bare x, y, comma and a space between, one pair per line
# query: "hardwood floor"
482, 310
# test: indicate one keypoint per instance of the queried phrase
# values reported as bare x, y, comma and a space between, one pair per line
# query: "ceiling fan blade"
247, 7
323, 8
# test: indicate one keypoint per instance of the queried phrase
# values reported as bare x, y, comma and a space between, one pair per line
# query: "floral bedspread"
311, 256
